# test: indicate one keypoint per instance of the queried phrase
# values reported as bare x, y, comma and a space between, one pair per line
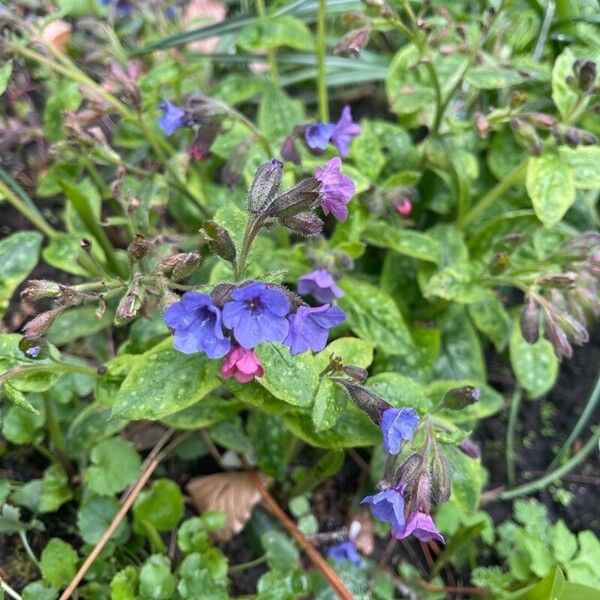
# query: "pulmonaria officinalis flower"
257, 313
196, 322
336, 189
123, 7
173, 117
320, 284
421, 525
340, 134
345, 551
404, 208
388, 506
317, 136
309, 327
243, 364
398, 425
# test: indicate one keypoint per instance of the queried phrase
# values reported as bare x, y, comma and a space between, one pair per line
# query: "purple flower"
421, 525
344, 132
257, 313
317, 136
173, 117
197, 325
336, 189
320, 284
309, 327
345, 551
388, 506
123, 7
398, 425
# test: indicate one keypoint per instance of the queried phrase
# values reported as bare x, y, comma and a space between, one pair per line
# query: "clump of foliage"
255, 253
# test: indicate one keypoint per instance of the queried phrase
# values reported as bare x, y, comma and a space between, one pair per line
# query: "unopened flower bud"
499, 263
460, 397
38, 326
572, 327
587, 300
408, 472
353, 43
441, 480
558, 338
37, 289
404, 207
301, 198
265, 185
527, 136
470, 448
179, 266
529, 321
232, 173
129, 306
34, 348
566, 279
219, 240
289, 151
306, 224
585, 73
366, 400
357, 373
205, 138
541, 120
138, 247
221, 294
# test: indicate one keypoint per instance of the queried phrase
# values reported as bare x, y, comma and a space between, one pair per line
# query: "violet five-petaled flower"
398, 425
173, 117
345, 551
309, 327
242, 364
340, 134
317, 136
421, 525
257, 313
336, 189
320, 284
388, 506
197, 324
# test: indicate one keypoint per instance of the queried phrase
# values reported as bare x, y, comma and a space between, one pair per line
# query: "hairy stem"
515, 404
320, 51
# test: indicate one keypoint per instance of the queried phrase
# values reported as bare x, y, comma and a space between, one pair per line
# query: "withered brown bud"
38, 326
138, 247
301, 198
306, 224
357, 373
265, 185
470, 448
365, 399
219, 240
529, 321
353, 43
179, 266
441, 480
37, 289
585, 73
289, 151
558, 338
129, 306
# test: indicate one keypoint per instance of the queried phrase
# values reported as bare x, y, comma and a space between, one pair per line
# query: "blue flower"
388, 506
344, 132
257, 313
320, 284
398, 425
123, 7
173, 117
317, 136
309, 327
197, 325
345, 551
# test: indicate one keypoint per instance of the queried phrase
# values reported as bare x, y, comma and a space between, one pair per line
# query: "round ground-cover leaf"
161, 505
293, 379
21, 425
375, 317
535, 365
282, 554
58, 563
400, 391
92, 426
490, 401
491, 318
55, 489
204, 413
123, 584
270, 440
95, 515
116, 464
38, 590
550, 186
163, 381
467, 479
584, 161
404, 241
76, 323
156, 579
18, 255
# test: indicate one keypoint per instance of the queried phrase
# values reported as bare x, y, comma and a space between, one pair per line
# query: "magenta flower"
257, 313
421, 525
173, 117
398, 425
336, 189
317, 136
320, 284
344, 132
388, 506
309, 327
345, 551
196, 322
243, 364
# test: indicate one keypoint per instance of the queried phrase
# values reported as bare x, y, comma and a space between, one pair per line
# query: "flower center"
254, 305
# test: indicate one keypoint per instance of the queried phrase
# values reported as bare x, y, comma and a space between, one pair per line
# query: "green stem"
500, 188
515, 405
28, 549
4, 586
542, 482
56, 435
248, 565
271, 56
321, 50
588, 411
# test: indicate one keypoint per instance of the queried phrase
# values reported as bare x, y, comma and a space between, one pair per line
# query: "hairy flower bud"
305, 224
357, 373
205, 138
138, 247
221, 293
529, 321
232, 173
558, 338
587, 300
265, 185
36, 289
129, 306
566, 279
460, 397
353, 43
366, 400
585, 73
441, 480
38, 326
526, 136
179, 266
470, 448
572, 327
301, 198
219, 240
289, 151
541, 120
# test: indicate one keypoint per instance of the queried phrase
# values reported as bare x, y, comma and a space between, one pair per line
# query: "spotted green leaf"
403, 241
584, 162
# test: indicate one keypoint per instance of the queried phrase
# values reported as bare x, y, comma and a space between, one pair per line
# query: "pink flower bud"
243, 364
404, 207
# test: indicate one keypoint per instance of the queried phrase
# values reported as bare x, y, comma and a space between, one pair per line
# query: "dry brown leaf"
233, 493
365, 540
57, 34
200, 13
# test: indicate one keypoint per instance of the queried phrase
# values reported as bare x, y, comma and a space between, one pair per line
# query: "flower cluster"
235, 323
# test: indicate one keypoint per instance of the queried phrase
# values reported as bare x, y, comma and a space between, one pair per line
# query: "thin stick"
332, 577
9, 590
